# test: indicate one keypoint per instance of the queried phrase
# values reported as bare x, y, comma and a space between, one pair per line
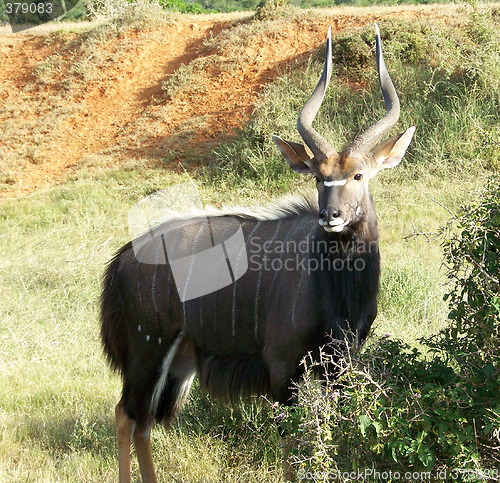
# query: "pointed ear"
295, 154
389, 153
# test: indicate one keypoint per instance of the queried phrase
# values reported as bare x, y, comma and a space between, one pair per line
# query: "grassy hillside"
56, 393
231, 5
84, 9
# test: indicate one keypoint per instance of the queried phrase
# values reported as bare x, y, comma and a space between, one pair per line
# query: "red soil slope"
122, 111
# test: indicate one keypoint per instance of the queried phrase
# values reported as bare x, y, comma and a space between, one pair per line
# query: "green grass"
56, 392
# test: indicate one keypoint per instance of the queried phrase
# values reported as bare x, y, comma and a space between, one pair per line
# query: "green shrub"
274, 10
404, 410
473, 261
136, 14
182, 6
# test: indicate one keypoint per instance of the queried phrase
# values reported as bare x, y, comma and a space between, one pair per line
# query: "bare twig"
443, 206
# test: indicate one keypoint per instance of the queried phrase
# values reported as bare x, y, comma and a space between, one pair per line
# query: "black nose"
328, 215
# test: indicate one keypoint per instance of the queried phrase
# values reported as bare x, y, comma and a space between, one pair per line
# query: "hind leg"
142, 445
175, 392
152, 388
124, 430
127, 429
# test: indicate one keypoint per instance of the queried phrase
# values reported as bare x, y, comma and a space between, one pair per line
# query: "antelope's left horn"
366, 140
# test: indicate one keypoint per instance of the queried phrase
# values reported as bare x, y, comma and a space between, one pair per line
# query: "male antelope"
250, 336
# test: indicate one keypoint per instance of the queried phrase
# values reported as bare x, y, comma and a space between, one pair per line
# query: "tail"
113, 330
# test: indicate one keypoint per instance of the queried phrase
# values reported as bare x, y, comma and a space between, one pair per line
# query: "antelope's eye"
358, 176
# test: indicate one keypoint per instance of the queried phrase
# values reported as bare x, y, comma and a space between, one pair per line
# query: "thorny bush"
400, 408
